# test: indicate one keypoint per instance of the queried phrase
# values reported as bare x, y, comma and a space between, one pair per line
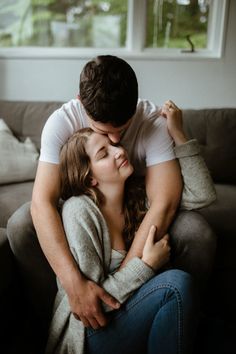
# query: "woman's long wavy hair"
75, 178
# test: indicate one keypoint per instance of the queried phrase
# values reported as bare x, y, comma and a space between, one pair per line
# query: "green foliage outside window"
170, 21
62, 23
96, 23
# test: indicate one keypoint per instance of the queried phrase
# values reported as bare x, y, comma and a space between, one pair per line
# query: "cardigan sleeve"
89, 241
198, 190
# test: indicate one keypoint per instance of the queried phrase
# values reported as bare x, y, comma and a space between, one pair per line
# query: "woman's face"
109, 162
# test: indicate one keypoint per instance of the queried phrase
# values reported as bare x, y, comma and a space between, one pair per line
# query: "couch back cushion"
26, 119
215, 130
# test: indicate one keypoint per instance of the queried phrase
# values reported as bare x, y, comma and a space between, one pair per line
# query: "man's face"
113, 133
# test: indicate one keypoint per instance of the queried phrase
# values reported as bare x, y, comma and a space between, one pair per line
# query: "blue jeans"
159, 318
193, 246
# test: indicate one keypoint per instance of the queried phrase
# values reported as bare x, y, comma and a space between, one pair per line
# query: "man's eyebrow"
102, 131
107, 132
98, 129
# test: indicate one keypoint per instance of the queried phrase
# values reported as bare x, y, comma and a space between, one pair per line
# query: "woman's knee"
177, 280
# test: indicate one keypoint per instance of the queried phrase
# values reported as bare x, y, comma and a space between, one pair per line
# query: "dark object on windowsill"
192, 48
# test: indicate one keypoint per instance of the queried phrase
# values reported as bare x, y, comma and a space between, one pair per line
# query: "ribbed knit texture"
89, 241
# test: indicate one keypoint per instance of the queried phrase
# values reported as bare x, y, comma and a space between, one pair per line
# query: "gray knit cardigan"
89, 241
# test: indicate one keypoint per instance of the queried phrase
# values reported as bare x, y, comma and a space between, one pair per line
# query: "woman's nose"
119, 151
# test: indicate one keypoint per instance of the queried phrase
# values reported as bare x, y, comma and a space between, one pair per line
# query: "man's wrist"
71, 279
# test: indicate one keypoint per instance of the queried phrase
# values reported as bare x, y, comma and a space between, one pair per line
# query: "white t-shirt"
146, 139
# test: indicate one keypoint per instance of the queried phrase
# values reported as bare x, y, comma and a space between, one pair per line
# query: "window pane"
63, 23
169, 22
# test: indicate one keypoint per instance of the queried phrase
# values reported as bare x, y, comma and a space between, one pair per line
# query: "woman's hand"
156, 254
174, 122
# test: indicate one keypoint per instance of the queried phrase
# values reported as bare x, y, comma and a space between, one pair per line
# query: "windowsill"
87, 53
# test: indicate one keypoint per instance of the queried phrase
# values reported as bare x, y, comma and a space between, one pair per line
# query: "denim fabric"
193, 249
158, 318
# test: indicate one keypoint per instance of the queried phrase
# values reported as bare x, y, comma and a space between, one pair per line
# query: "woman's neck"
112, 210
113, 199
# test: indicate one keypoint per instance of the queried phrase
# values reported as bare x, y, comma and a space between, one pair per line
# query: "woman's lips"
124, 163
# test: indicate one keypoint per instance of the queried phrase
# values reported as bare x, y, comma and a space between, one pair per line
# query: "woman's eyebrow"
99, 150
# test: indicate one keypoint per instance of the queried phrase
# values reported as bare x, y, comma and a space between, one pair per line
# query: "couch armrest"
7, 272
6, 263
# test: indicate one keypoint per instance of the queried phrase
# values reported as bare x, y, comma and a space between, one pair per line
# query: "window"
174, 24
134, 28
53, 23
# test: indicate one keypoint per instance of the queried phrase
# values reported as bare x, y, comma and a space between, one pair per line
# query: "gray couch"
215, 130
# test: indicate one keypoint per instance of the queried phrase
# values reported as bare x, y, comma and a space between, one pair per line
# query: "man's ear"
94, 182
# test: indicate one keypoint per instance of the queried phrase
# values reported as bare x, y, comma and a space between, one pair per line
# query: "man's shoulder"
66, 119
147, 114
69, 108
146, 107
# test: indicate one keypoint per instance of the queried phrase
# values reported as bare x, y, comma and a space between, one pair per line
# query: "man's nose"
114, 137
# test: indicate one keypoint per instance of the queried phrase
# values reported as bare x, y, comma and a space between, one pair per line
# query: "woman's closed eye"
102, 153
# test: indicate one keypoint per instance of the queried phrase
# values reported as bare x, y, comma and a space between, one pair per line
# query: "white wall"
191, 84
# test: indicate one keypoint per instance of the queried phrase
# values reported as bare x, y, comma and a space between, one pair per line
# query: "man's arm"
164, 188
84, 295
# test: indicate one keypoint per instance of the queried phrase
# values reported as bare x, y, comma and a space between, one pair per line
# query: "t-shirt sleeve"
55, 133
158, 144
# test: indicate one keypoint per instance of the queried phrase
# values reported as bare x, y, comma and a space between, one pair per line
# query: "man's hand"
84, 296
86, 303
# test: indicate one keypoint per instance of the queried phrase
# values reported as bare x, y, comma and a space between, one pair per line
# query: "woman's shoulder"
80, 200
82, 212
80, 205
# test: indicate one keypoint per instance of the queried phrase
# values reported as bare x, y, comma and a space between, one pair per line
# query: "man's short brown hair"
109, 90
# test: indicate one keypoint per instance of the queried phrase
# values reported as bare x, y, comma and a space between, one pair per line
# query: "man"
108, 103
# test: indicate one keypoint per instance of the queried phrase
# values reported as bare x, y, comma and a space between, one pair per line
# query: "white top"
117, 256
146, 139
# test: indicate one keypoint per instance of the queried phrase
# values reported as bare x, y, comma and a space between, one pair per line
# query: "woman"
160, 316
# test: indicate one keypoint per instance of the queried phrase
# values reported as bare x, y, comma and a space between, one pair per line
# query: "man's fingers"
94, 323
76, 316
101, 319
96, 320
84, 321
109, 300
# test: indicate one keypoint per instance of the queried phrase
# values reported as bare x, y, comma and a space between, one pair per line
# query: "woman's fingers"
171, 105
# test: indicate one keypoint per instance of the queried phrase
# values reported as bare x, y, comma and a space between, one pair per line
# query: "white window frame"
136, 40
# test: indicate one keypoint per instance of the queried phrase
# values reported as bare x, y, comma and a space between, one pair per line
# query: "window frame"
135, 46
